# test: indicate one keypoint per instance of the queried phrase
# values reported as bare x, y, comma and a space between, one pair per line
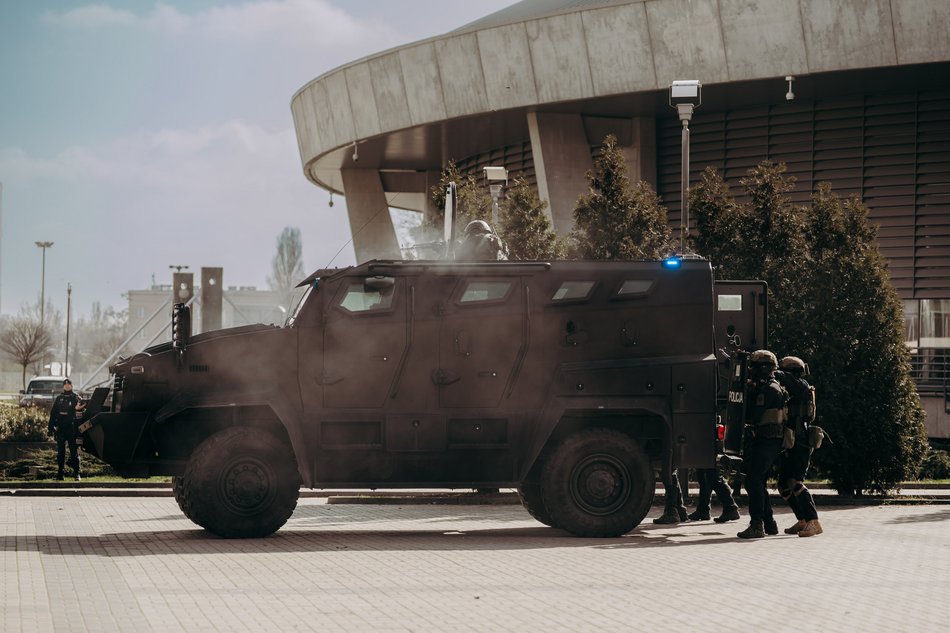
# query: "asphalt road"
136, 564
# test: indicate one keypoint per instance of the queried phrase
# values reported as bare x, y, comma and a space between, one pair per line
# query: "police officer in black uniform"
793, 463
62, 426
765, 411
481, 243
711, 480
674, 510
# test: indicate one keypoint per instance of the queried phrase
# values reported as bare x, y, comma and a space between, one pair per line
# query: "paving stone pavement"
136, 564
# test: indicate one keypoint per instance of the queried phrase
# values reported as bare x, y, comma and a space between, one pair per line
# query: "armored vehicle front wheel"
530, 495
597, 482
241, 483
181, 495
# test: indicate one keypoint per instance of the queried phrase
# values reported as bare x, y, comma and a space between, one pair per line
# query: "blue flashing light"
672, 263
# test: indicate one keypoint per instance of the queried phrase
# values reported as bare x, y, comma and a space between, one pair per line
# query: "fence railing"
930, 368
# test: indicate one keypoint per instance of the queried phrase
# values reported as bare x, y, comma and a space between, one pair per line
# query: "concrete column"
641, 154
561, 154
368, 210
429, 211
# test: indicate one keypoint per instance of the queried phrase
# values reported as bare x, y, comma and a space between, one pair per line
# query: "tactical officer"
793, 463
711, 480
674, 511
62, 426
480, 242
765, 412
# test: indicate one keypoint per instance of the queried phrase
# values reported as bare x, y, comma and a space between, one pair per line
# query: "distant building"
242, 305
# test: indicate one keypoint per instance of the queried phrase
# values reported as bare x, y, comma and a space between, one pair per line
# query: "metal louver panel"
892, 150
932, 197
516, 158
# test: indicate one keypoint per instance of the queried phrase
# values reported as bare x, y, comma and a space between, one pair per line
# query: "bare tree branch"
25, 340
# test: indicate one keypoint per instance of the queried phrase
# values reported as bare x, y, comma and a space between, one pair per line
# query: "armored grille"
892, 150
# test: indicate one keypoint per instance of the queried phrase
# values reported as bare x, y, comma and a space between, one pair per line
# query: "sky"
138, 135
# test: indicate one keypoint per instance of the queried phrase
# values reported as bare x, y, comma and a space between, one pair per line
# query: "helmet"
477, 227
764, 357
792, 363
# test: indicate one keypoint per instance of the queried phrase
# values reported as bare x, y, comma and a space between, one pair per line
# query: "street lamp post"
69, 305
44, 246
685, 96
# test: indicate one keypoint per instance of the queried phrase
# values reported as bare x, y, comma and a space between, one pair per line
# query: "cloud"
121, 211
300, 24
91, 16
167, 157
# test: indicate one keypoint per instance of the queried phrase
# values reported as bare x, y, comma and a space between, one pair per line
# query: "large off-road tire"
530, 495
597, 482
181, 493
241, 483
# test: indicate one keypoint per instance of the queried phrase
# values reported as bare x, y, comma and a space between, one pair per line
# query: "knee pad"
798, 488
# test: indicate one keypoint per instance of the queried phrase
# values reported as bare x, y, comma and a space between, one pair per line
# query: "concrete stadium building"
535, 87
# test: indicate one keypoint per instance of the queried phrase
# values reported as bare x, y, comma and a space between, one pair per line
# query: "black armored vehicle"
567, 380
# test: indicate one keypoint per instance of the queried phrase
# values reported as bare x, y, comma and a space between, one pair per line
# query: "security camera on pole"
685, 96
497, 178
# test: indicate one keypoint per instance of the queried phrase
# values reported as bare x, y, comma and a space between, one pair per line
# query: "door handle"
461, 344
442, 377
328, 379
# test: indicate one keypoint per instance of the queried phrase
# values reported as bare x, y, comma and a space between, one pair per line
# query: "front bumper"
113, 437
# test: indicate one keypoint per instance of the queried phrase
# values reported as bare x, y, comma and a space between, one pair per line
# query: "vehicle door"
364, 342
740, 322
741, 315
481, 340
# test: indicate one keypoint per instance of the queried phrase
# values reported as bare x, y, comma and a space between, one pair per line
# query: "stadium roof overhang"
406, 111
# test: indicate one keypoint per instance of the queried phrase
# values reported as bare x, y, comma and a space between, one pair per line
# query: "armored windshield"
300, 303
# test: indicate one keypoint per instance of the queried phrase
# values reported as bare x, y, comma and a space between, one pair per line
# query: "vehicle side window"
729, 303
634, 288
573, 290
358, 298
480, 291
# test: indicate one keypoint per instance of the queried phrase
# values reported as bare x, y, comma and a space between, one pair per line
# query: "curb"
924, 494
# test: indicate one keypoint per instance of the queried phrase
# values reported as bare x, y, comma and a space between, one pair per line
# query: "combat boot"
669, 517
771, 527
728, 514
698, 515
812, 528
755, 530
798, 527
59, 476
681, 513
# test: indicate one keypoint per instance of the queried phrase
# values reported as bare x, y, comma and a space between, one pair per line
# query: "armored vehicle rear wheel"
241, 483
530, 495
597, 482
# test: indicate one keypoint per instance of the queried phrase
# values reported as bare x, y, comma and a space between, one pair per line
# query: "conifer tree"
525, 227
474, 201
616, 221
854, 335
831, 303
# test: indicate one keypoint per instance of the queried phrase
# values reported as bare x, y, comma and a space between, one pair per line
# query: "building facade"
150, 312
535, 87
